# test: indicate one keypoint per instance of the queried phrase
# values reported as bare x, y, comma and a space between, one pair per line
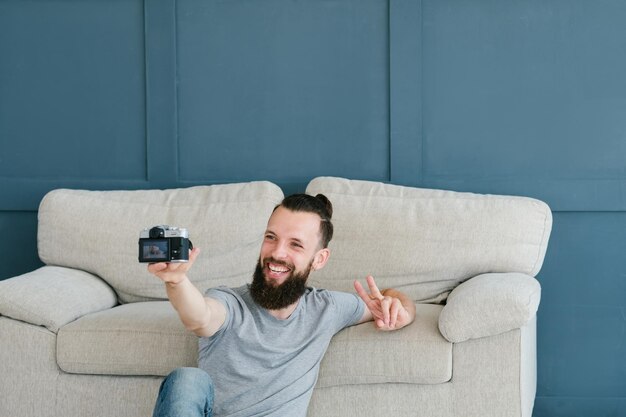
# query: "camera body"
164, 244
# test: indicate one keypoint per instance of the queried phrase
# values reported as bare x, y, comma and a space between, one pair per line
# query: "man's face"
290, 250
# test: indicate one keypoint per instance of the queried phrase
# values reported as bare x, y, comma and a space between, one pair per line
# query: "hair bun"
327, 205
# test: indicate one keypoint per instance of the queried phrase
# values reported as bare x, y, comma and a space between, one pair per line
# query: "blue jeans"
186, 392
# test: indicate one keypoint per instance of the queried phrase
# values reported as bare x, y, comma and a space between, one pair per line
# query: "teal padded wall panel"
72, 82
581, 320
300, 91
18, 248
527, 97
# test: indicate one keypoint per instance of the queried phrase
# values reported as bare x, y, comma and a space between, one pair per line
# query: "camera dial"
157, 232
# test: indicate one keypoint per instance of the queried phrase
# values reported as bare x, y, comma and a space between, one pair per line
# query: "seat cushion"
415, 354
144, 338
147, 338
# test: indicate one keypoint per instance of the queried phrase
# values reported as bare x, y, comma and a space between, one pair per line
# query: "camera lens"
157, 232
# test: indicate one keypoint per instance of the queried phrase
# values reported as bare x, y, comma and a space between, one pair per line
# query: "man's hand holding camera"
200, 315
173, 273
168, 251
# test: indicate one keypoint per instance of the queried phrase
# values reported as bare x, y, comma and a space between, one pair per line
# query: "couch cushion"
425, 242
148, 339
489, 304
98, 231
144, 338
415, 354
53, 296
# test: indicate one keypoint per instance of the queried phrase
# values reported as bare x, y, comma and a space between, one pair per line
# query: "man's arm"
201, 315
390, 309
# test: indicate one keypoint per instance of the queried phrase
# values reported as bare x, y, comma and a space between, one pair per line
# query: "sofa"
91, 333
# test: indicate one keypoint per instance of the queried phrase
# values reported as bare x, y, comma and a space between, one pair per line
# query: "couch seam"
473, 196
65, 332
519, 374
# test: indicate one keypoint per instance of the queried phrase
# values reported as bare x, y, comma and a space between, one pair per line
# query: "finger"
184, 266
373, 287
156, 267
385, 305
393, 313
380, 324
362, 293
193, 255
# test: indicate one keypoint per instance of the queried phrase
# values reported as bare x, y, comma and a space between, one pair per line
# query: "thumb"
156, 267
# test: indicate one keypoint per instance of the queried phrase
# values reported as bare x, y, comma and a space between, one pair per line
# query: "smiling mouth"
276, 269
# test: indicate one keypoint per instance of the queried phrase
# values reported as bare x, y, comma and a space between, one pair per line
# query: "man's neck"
284, 313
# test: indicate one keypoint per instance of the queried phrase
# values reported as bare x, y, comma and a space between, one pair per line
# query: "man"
261, 344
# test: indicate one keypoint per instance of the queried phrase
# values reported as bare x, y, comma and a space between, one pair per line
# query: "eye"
297, 245
270, 237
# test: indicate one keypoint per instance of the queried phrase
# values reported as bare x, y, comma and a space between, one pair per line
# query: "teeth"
277, 268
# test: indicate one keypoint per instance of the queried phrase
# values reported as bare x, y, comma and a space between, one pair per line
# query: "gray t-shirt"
263, 366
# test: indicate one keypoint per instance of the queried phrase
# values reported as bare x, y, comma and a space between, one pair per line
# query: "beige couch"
90, 334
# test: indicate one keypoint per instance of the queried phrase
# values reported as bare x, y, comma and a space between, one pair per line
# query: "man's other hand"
390, 309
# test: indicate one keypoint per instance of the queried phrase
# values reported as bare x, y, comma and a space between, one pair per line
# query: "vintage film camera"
164, 244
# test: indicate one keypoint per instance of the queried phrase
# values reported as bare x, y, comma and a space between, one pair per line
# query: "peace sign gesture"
390, 309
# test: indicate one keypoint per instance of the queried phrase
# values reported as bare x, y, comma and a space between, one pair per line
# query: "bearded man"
261, 344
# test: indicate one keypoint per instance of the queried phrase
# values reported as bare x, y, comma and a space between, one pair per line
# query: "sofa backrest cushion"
425, 242
98, 232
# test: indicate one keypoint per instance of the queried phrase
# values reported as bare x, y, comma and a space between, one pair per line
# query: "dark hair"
319, 205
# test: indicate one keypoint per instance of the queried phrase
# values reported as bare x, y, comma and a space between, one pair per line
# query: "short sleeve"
350, 308
229, 300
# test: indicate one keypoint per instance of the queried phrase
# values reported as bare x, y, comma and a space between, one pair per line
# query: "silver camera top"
163, 231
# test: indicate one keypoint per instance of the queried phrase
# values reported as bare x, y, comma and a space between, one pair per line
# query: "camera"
164, 244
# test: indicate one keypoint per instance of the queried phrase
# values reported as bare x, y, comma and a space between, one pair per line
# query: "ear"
320, 259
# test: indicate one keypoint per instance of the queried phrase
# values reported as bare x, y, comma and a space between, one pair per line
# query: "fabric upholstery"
148, 339
98, 232
106, 396
132, 339
426, 242
397, 400
528, 366
54, 296
420, 355
29, 372
489, 379
489, 304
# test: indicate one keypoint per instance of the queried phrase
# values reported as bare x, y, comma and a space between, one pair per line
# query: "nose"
280, 251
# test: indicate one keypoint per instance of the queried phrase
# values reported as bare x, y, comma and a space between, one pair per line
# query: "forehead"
294, 224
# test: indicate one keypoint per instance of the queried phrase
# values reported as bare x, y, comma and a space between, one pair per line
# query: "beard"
276, 297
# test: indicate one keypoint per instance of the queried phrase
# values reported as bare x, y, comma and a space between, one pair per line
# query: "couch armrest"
489, 304
54, 296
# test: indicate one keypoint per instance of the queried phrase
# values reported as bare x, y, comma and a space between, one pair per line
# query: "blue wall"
520, 97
